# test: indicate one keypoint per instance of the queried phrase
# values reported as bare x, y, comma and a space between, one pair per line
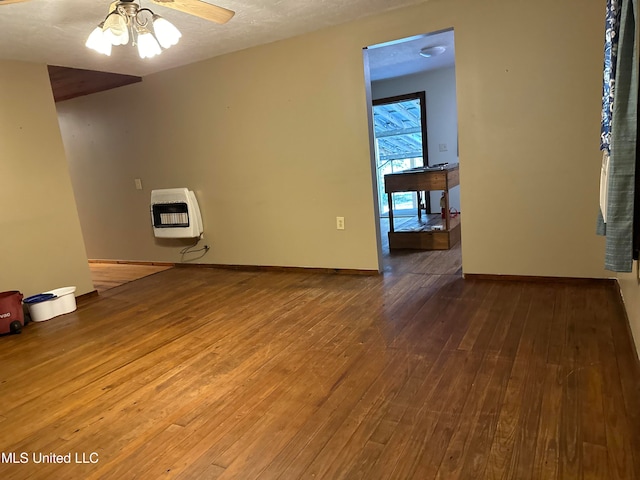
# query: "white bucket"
64, 302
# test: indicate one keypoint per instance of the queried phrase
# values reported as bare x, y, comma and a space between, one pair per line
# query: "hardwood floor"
110, 275
217, 374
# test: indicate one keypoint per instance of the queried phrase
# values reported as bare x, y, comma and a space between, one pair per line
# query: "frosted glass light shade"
166, 33
115, 29
127, 21
97, 42
147, 45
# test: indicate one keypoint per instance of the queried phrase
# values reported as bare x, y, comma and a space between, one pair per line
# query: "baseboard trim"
86, 296
245, 268
539, 279
133, 262
272, 268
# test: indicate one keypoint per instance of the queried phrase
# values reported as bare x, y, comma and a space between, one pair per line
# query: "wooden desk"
435, 233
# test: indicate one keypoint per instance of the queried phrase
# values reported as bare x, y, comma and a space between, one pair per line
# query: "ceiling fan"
204, 10
127, 21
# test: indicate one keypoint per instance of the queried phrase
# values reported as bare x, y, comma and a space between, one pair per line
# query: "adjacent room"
277, 330
415, 134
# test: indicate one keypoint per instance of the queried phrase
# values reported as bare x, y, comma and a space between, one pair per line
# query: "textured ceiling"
54, 31
402, 57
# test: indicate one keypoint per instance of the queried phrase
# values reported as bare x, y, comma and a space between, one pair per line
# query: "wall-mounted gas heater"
175, 213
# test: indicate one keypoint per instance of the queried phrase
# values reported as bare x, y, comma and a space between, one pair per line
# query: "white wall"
442, 116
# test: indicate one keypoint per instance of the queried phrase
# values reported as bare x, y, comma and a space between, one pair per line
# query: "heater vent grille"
169, 215
175, 213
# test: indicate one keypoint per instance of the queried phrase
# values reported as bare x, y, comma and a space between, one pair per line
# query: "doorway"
401, 68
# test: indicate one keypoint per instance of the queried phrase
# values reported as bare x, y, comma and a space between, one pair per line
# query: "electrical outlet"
340, 223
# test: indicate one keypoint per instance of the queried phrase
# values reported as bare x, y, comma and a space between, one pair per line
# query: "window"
400, 130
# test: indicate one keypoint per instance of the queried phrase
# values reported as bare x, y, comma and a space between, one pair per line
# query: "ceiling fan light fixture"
148, 46
433, 51
166, 32
127, 20
98, 42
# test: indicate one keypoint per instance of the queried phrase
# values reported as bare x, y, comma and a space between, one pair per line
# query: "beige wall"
40, 237
274, 141
630, 287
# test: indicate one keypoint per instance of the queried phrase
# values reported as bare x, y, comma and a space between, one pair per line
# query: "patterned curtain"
612, 24
619, 135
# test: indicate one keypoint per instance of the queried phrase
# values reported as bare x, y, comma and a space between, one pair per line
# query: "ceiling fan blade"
213, 13
7, 2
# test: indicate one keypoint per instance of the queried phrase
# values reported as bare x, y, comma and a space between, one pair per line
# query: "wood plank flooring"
110, 275
415, 374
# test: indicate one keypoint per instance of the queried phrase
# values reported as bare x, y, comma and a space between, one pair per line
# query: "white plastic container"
64, 302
